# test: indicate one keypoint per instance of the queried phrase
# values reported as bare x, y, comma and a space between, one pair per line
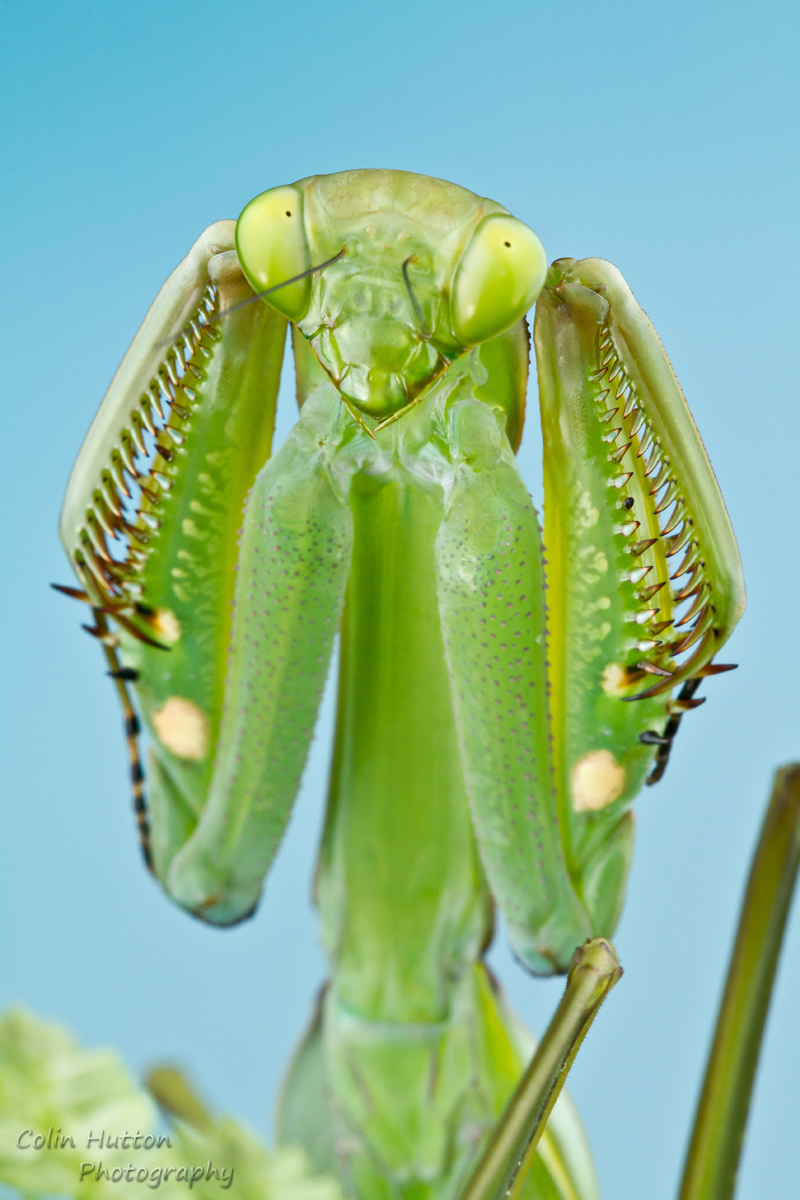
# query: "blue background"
662, 137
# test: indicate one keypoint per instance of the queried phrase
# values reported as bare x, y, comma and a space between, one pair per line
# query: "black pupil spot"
507, 244
288, 213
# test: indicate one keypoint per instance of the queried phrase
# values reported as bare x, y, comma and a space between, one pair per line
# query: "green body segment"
492, 602
642, 568
416, 1048
398, 821
401, 997
187, 423
189, 573
294, 557
384, 1132
499, 707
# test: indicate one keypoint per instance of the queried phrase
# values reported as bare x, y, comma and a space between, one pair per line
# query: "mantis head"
418, 275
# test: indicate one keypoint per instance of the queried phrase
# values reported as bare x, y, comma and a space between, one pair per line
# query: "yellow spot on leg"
183, 728
597, 780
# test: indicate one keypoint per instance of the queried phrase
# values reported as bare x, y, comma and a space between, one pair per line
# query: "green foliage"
56, 1090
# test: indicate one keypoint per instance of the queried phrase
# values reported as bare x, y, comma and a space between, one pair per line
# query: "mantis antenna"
284, 283
423, 329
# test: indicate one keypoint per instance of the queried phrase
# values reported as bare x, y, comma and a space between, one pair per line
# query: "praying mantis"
503, 694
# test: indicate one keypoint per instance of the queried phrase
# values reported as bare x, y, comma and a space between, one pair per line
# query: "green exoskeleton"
500, 702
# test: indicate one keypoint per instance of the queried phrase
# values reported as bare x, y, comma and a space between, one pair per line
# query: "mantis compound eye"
500, 274
272, 247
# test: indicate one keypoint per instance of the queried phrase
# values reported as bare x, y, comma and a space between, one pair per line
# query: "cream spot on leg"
167, 626
614, 681
183, 728
618, 680
597, 779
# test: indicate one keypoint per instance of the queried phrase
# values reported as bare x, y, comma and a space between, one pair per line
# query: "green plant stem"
506, 1160
713, 1157
175, 1096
